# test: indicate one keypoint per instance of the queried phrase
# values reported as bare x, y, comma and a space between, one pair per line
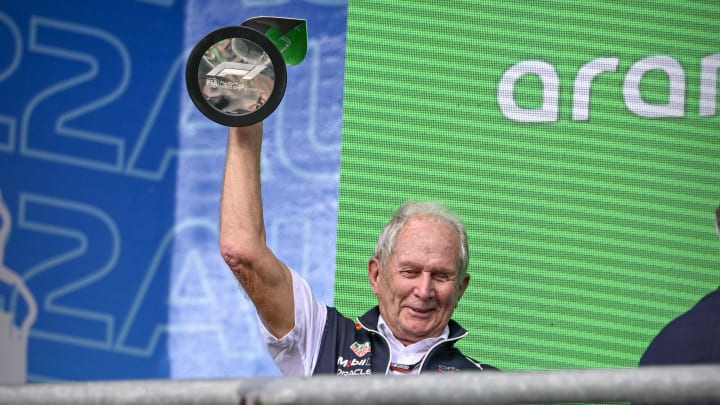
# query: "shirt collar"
416, 349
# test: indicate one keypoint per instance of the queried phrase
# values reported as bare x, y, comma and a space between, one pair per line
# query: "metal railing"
667, 384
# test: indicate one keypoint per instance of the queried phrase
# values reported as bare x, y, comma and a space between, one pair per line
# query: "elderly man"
418, 273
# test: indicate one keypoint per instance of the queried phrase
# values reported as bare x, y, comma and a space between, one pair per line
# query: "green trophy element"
288, 34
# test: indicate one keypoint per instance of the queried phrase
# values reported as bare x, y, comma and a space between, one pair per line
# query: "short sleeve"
296, 353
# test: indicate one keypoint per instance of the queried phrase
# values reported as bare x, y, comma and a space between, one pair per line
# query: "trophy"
237, 75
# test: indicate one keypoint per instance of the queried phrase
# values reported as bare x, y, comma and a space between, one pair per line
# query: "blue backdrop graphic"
110, 183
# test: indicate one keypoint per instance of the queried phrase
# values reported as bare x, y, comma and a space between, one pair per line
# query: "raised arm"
265, 279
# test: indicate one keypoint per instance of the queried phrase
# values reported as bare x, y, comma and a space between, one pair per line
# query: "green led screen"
578, 141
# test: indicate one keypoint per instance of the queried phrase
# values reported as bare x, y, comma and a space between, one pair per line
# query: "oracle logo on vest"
353, 366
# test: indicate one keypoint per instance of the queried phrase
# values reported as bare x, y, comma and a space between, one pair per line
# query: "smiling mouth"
421, 311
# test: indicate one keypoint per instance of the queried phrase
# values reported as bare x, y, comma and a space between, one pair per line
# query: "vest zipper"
387, 344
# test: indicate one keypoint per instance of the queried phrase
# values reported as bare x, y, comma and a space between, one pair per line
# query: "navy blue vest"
357, 348
691, 338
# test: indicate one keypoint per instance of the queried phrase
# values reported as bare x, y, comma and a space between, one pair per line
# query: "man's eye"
409, 273
443, 277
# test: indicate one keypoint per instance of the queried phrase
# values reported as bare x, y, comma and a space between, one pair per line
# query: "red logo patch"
360, 349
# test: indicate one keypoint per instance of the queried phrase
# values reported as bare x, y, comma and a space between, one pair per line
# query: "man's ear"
463, 286
373, 273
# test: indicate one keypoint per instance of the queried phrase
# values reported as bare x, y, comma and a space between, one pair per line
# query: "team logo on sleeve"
360, 349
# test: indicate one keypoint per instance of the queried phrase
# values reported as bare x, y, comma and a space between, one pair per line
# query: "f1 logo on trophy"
237, 75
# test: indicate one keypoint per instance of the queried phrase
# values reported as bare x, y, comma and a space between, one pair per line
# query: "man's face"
419, 290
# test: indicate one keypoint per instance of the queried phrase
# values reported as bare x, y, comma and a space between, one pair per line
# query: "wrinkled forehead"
427, 236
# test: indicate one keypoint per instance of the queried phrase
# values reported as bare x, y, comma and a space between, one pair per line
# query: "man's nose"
425, 288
